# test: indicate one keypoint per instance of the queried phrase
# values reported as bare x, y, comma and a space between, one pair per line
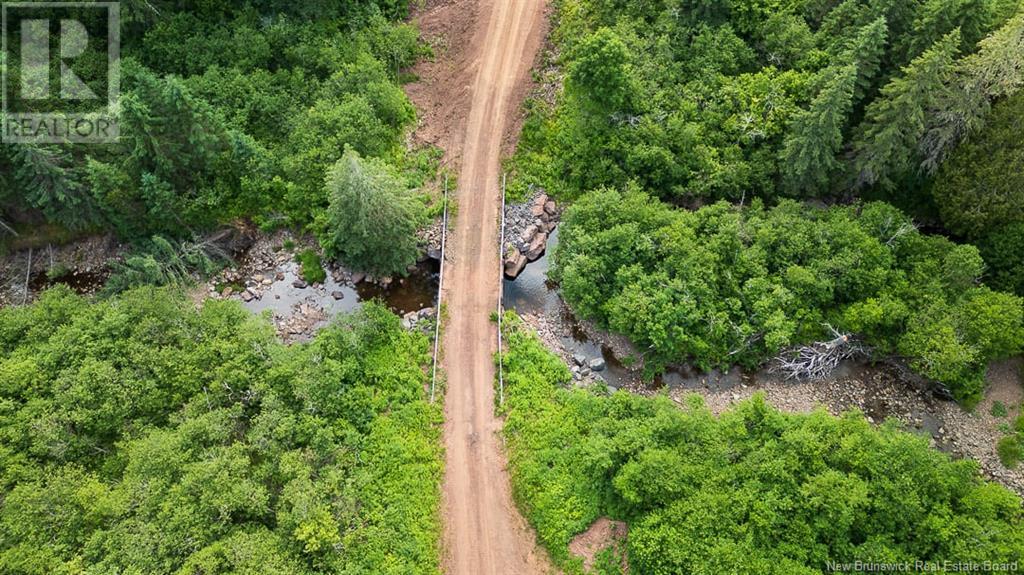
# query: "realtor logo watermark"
61, 72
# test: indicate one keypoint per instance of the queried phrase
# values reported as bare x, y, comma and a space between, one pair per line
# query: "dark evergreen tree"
887, 144
808, 158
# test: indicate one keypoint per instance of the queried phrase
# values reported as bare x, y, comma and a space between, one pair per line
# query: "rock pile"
430, 240
422, 320
527, 226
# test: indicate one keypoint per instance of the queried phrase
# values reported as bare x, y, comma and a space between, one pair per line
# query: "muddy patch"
82, 265
603, 534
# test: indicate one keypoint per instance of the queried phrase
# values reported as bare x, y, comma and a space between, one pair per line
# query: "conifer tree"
372, 220
816, 135
866, 52
895, 122
995, 71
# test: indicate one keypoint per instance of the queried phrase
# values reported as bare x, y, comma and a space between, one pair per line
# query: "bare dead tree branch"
818, 360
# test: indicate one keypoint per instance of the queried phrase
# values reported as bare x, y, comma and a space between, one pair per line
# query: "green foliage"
228, 111
998, 409
144, 435
751, 491
161, 262
1003, 251
752, 99
981, 187
600, 71
372, 220
896, 121
809, 154
724, 285
1010, 451
312, 269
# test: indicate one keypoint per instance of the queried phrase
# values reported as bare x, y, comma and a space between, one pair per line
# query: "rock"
530, 232
267, 281
540, 200
426, 312
227, 292
247, 296
537, 211
358, 277
550, 208
300, 284
585, 371
537, 247
515, 261
434, 253
279, 276
579, 359
385, 281
337, 295
597, 364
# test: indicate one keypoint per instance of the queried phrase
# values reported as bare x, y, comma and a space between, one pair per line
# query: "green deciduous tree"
600, 72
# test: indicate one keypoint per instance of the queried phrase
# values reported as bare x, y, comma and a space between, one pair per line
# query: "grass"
312, 268
999, 409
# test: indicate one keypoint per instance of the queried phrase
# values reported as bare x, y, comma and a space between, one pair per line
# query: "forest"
144, 435
734, 180
814, 142
720, 286
237, 110
751, 492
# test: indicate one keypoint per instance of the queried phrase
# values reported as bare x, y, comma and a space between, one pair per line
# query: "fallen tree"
818, 360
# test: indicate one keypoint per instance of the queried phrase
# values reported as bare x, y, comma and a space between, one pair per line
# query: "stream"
535, 294
413, 293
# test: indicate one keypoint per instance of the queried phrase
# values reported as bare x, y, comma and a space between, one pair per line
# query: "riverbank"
881, 392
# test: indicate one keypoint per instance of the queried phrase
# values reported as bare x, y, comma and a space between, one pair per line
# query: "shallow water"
80, 282
412, 293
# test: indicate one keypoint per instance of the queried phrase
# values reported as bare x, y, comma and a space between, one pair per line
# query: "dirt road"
484, 533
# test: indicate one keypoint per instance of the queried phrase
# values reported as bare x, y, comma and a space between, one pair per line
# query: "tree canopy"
752, 491
724, 285
372, 219
143, 435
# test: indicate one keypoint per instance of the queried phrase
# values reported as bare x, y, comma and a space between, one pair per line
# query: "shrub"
1010, 451
311, 268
